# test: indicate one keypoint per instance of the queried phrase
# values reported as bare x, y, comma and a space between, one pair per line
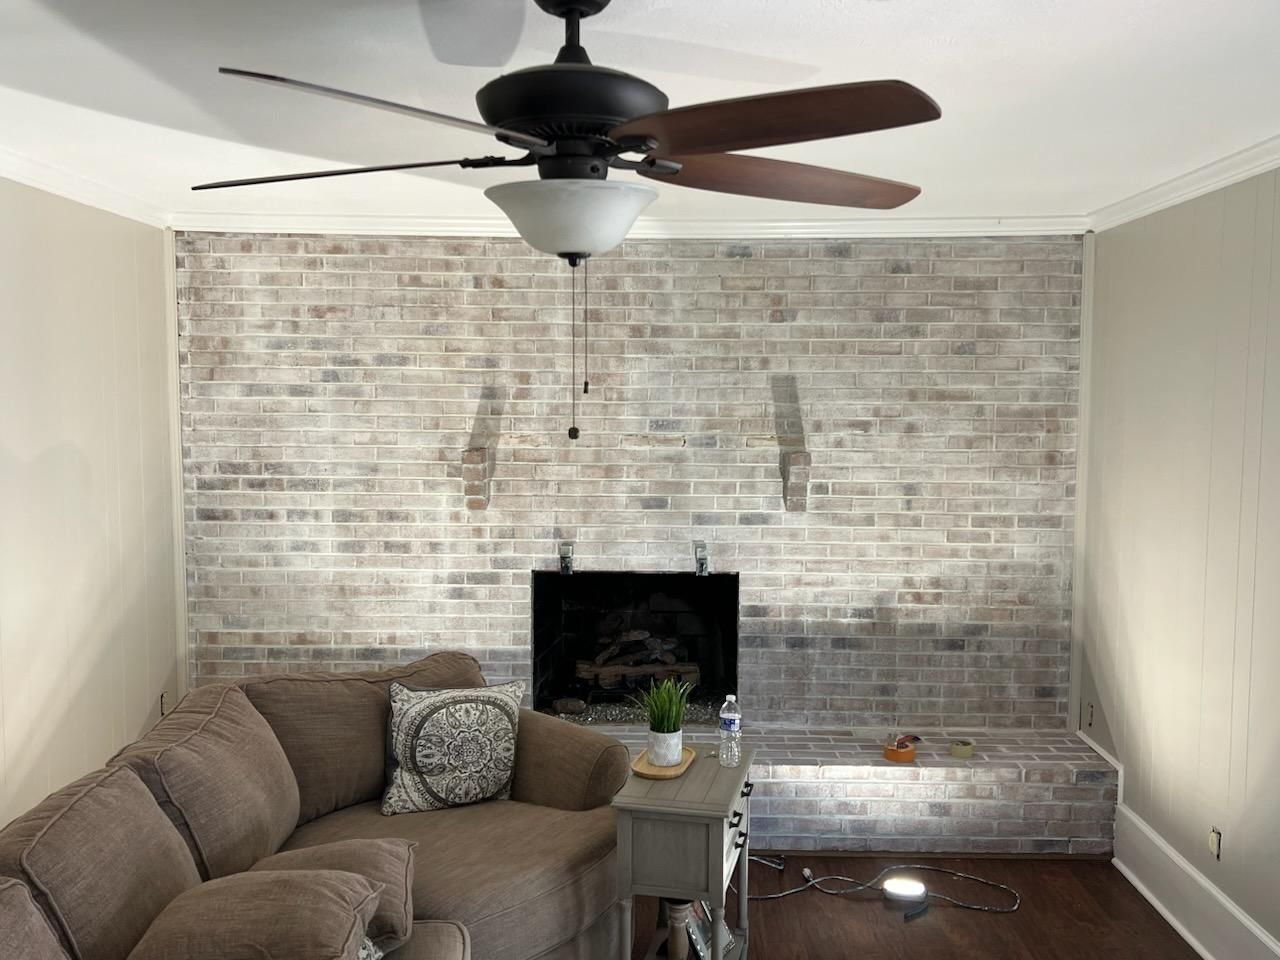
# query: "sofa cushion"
102, 860
25, 933
522, 878
333, 726
388, 862
435, 940
450, 747
216, 768
289, 915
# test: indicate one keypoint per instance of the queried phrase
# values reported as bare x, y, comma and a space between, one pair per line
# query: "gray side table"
681, 839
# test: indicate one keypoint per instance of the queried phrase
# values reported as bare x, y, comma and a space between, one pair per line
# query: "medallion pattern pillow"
446, 748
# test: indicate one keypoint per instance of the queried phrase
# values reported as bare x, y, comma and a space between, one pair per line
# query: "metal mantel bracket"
700, 561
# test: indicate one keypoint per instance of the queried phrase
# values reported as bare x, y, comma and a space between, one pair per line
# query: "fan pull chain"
573, 350
586, 330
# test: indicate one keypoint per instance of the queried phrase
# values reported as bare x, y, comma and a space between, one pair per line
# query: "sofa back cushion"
333, 726
101, 859
25, 933
219, 773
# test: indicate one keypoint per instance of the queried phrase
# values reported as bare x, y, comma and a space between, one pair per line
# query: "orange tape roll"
900, 755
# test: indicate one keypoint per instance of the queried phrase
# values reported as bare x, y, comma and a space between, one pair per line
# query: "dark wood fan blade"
382, 168
792, 116
782, 180
511, 136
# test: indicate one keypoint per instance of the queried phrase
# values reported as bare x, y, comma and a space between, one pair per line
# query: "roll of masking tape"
962, 749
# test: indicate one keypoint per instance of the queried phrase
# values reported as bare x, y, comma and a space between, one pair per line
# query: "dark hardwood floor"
1071, 910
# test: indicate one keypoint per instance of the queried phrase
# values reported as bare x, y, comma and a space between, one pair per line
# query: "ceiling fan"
576, 121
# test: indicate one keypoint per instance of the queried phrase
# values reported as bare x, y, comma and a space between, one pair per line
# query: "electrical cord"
816, 883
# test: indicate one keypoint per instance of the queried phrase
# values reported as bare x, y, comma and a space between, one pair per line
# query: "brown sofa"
240, 772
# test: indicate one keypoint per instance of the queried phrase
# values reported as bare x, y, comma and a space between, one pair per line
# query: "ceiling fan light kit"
564, 217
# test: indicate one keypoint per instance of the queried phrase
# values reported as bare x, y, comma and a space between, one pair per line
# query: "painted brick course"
332, 386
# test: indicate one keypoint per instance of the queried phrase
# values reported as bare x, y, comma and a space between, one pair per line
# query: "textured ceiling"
1050, 108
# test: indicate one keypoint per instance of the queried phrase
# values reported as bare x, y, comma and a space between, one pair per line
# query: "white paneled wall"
89, 575
1179, 605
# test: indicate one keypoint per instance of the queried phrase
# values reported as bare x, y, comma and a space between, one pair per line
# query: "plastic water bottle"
730, 732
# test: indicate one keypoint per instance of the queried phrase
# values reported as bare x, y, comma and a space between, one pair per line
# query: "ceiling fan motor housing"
566, 8
573, 105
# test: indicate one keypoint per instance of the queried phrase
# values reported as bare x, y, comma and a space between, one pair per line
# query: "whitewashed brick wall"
330, 386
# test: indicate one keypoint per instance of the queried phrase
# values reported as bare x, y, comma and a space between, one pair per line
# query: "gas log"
617, 675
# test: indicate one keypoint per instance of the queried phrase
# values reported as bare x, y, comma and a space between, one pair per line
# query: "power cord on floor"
816, 883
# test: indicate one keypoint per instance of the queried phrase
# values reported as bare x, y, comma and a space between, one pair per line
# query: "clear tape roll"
962, 749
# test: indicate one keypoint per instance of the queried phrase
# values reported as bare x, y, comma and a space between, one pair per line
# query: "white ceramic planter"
665, 749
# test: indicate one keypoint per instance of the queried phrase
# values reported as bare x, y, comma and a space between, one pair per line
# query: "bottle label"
731, 724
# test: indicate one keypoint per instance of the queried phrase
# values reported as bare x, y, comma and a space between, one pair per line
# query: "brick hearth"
1023, 792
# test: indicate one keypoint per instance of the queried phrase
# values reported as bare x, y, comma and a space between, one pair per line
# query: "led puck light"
905, 894
904, 889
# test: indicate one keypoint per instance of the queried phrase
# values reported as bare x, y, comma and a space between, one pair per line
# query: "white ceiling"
1052, 109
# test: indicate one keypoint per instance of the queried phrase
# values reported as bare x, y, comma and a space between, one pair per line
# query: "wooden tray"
641, 766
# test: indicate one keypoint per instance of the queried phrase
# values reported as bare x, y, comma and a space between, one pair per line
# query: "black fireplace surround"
601, 636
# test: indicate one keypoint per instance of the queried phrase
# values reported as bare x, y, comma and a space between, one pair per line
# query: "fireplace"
600, 636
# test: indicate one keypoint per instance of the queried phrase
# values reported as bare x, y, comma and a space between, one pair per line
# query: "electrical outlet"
1090, 721
1215, 842
164, 702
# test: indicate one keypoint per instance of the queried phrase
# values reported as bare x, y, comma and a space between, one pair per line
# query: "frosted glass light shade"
572, 216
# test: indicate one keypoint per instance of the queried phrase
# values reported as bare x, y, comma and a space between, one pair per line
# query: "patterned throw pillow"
446, 748
369, 951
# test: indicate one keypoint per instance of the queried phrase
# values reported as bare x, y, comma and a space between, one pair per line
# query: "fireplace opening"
599, 637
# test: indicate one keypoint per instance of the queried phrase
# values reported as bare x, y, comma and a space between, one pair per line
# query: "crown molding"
72, 186
1238, 166
645, 228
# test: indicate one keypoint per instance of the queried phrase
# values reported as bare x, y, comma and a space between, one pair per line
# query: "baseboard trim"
1108, 756
1213, 924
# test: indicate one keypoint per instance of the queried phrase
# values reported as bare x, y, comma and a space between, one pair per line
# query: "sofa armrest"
565, 765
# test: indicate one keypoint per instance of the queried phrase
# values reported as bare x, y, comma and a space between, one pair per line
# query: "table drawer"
736, 827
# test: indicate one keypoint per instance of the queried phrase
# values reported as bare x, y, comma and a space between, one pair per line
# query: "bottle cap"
732, 697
